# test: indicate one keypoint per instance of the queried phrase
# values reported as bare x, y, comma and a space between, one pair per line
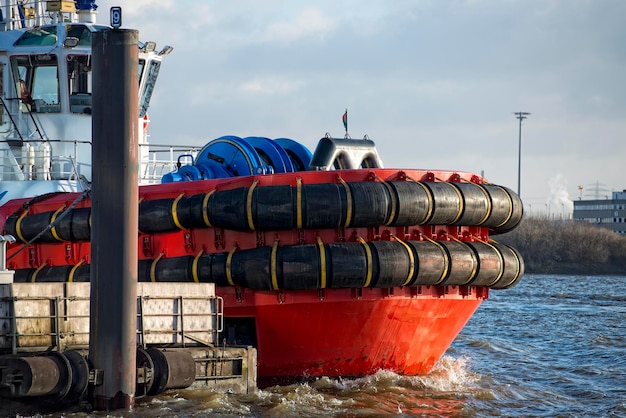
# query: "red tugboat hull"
343, 332
346, 296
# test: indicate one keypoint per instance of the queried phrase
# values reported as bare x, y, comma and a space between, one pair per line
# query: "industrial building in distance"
607, 213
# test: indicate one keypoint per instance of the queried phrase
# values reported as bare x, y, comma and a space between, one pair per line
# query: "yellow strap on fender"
517, 267
393, 197
153, 267
517, 264
429, 194
411, 260
461, 202
273, 265
320, 246
475, 268
229, 262
33, 278
249, 205
445, 256
368, 255
53, 230
70, 276
205, 209
508, 216
18, 227
299, 202
501, 258
175, 214
489, 204
348, 201
194, 267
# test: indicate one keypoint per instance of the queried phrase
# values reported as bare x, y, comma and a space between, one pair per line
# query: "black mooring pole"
114, 215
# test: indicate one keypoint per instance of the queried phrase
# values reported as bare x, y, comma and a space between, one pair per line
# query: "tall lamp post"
521, 116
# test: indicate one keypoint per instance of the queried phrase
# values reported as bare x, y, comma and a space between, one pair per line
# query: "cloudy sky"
434, 83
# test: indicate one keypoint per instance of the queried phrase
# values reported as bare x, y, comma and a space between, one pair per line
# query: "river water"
551, 346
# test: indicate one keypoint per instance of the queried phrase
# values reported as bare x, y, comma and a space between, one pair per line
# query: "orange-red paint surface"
338, 332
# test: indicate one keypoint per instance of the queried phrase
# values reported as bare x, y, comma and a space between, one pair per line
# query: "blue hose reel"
231, 156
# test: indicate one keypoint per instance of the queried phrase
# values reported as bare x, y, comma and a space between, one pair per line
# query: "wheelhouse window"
152, 72
37, 86
39, 36
37, 81
80, 32
79, 83
142, 64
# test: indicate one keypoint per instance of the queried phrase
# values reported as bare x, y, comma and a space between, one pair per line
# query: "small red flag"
345, 120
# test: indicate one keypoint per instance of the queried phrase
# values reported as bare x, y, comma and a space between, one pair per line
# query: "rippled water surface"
551, 346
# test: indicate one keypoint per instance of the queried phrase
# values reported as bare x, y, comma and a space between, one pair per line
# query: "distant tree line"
567, 247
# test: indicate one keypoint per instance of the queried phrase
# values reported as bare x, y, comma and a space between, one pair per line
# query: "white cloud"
270, 86
434, 83
310, 22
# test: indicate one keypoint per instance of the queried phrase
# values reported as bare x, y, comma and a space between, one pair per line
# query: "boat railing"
186, 324
60, 320
163, 159
24, 123
9, 166
35, 159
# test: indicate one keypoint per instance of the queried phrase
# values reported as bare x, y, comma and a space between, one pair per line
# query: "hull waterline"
346, 332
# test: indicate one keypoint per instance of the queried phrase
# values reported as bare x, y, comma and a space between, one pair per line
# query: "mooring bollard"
113, 339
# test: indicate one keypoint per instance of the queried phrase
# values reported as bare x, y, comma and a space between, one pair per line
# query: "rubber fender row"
334, 205
164, 369
380, 264
308, 206
65, 375
73, 226
55, 375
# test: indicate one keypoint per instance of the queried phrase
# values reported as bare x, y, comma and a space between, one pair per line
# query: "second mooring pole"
113, 324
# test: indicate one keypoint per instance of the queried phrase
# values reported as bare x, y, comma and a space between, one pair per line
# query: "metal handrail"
60, 159
156, 166
217, 313
59, 313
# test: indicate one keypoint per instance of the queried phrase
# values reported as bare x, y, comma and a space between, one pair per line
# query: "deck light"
166, 50
70, 42
149, 46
